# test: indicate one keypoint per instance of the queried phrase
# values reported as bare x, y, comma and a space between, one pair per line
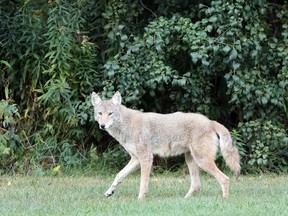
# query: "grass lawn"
250, 195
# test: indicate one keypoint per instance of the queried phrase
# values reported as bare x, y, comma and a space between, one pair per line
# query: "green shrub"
10, 147
266, 144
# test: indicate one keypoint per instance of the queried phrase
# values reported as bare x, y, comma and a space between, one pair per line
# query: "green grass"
250, 195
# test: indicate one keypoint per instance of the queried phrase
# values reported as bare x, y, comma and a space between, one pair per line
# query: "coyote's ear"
116, 99
95, 99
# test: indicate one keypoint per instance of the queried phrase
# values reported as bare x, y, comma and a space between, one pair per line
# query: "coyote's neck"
121, 130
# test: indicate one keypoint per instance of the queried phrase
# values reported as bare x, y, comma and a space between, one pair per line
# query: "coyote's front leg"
129, 168
146, 165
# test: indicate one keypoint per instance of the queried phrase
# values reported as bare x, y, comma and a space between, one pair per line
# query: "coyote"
146, 134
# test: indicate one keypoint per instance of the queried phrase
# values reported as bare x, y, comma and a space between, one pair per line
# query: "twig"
147, 8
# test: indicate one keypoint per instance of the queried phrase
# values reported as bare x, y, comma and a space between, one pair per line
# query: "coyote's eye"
99, 113
110, 113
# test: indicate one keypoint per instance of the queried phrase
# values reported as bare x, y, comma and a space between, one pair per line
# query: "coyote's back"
146, 134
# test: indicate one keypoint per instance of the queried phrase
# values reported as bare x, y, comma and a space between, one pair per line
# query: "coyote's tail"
228, 149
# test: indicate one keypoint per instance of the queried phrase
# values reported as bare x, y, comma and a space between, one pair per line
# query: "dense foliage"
225, 59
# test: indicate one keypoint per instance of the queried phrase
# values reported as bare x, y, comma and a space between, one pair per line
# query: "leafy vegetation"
267, 146
225, 59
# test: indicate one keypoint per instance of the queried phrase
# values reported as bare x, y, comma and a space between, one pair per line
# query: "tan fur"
146, 134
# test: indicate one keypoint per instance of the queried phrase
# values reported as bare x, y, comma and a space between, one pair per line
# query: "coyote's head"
106, 112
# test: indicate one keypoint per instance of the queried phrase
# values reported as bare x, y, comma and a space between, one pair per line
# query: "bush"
266, 144
10, 147
53, 70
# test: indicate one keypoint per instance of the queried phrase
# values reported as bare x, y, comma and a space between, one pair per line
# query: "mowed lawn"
250, 195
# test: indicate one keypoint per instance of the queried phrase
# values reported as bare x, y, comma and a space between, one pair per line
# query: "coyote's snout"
146, 134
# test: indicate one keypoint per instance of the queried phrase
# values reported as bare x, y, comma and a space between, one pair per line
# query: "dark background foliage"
225, 59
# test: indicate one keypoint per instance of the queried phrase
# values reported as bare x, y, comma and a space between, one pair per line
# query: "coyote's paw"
109, 193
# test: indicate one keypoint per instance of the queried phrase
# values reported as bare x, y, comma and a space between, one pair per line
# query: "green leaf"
226, 49
111, 73
205, 62
111, 35
254, 53
236, 78
213, 19
124, 37
209, 28
6, 92
6, 64
6, 151
235, 65
115, 66
233, 55
264, 100
182, 82
195, 56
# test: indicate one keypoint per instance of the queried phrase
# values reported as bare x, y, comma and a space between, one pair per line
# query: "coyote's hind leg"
194, 174
205, 160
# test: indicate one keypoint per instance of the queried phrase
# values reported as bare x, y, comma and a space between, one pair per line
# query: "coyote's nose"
102, 126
